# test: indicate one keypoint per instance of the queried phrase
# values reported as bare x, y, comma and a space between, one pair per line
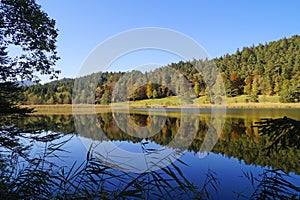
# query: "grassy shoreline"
88, 109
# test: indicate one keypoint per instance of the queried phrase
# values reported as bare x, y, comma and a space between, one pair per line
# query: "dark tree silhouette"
24, 27
282, 132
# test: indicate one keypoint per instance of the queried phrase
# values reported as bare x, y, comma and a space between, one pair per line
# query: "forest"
271, 69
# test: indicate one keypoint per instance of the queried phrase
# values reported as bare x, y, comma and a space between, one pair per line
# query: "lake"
155, 155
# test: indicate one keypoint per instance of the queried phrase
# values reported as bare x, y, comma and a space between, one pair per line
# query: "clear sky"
219, 26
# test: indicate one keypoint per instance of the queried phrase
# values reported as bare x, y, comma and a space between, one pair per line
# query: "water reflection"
39, 176
271, 184
239, 139
25, 174
283, 133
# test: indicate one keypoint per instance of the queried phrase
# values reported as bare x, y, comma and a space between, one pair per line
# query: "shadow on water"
32, 146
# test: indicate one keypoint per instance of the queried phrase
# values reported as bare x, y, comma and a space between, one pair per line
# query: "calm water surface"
220, 166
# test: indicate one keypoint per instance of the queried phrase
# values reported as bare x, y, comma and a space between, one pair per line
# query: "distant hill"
266, 69
64, 80
25, 83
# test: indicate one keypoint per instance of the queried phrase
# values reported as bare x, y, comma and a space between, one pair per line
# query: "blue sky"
220, 27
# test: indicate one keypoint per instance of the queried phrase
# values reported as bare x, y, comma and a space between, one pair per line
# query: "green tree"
248, 82
197, 89
106, 97
290, 92
23, 25
149, 90
253, 71
155, 94
9, 99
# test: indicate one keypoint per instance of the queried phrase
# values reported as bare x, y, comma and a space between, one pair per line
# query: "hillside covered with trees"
266, 69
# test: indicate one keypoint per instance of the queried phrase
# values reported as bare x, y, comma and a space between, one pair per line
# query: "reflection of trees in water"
282, 133
250, 146
280, 139
238, 139
28, 175
55, 123
22, 173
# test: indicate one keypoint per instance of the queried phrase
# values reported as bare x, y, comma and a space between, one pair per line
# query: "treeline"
270, 69
266, 69
56, 92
